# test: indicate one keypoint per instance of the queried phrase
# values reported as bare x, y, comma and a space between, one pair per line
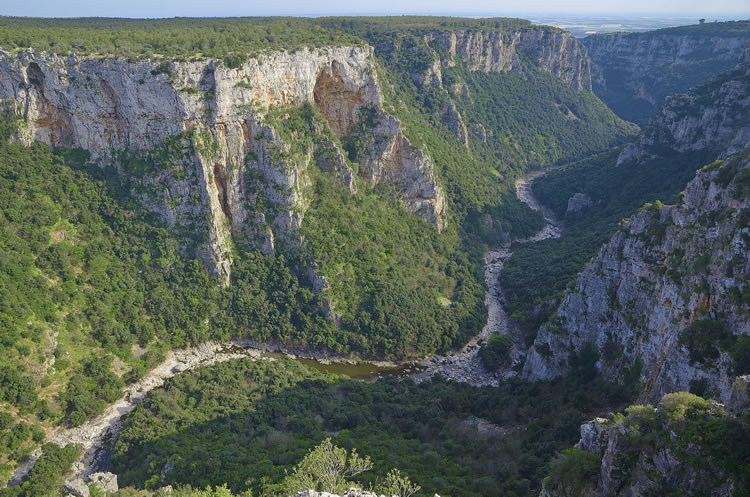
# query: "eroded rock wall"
221, 171
555, 52
666, 269
634, 72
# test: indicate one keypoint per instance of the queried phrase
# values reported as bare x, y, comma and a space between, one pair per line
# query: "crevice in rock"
220, 181
35, 75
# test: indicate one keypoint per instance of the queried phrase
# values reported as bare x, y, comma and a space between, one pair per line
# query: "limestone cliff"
555, 52
712, 119
672, 449
665, 294
551, 51
194, 135
633, 73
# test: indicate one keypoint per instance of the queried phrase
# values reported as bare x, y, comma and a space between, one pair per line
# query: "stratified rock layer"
555, 52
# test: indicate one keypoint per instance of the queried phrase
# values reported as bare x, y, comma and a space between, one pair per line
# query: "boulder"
106, 482
77, 487
578, 202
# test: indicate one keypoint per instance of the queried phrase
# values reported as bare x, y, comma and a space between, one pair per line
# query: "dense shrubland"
248, 423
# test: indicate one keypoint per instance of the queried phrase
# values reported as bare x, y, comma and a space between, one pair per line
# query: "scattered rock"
77, 487
106, 482
578, 202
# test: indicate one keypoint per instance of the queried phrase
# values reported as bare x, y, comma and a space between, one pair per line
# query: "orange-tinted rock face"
337, 102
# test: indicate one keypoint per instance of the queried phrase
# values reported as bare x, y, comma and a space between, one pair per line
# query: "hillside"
666, 295
689, 132
260, 256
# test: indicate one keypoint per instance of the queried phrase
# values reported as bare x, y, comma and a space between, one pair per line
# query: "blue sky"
171, 8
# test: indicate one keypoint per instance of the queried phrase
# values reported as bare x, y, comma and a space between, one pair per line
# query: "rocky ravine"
203, 126
465, 365
712, 119
670, 273
634, 72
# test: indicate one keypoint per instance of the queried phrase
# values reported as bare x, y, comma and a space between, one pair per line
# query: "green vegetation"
231, 40
740, 353
248, 424
84, 270
574, 472
91, 390
575, 125
705, 338
46, 477
724, 29
709, 446
538, 274
399, 287
94, 289
496, 352
501, 112
326, 468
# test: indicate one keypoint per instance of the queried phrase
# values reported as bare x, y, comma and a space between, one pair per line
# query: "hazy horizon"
720, 9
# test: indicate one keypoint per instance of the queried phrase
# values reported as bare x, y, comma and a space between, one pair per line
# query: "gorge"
211, 231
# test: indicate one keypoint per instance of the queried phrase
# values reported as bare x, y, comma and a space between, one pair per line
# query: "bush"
740, 353
704, 339
326, 468
46, 477
496, 352
573, 471
680, 405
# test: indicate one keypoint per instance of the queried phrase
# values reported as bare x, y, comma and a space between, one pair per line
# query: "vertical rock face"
221, 170
634, 72
551, 51
643, 453
714, 120
672, 277
666, 290
555, 52
391, 159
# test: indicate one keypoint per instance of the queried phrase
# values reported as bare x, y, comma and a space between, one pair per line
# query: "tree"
398, 485
326, 469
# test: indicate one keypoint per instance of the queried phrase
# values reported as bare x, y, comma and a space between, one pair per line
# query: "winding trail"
465, 365
97, 436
